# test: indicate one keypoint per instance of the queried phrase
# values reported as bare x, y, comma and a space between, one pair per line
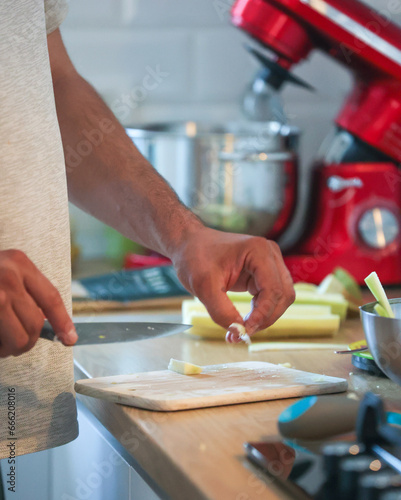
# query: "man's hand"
212, 262
26, 298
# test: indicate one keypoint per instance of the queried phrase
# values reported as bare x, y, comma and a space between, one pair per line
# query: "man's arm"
108, 177
116, 184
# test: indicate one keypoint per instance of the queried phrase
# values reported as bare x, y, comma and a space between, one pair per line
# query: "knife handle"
48, 333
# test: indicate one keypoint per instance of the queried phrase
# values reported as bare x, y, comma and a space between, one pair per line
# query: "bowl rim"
368, 308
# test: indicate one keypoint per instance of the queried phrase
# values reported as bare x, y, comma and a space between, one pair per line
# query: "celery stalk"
294, 346
301, 286
331, 284
240, 296
336, 301
349, 283
286, 326
190, 307
377, 290
380, 311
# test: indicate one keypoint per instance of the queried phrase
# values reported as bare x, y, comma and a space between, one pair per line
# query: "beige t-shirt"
34, 219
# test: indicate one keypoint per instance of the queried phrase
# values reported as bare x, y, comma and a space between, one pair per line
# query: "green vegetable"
301, 286
336, 301
191, 307
331, 284
380, 311
349, 283
285, 326
377, 290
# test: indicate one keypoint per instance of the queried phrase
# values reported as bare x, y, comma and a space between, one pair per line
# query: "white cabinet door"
93, 467
89, 468
32, 478
140, 489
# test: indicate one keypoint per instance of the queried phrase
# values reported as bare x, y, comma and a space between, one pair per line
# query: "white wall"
116, 43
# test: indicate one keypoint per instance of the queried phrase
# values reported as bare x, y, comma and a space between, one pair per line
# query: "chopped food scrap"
241, 332
285, 365
183, 367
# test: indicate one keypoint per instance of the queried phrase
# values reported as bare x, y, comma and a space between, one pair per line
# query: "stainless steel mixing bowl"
383, 336
238, 177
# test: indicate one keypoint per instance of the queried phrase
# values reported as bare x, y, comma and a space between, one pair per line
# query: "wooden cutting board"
217, 385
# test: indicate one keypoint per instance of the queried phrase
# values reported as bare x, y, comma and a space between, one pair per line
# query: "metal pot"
238, 177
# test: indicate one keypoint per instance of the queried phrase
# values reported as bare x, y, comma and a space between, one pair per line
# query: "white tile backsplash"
221, 65
149, 66
113, 43
195, 13
97, 14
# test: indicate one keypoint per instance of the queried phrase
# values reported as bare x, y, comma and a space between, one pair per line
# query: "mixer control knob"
378, 227
336, 183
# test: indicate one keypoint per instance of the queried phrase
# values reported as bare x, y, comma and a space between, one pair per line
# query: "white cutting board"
217, 385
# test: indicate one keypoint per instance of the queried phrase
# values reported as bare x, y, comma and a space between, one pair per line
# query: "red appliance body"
366, 191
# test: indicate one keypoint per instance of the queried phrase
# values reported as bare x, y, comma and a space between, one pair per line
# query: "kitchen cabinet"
93, 467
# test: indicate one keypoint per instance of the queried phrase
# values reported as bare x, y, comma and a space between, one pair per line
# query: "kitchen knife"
106, 333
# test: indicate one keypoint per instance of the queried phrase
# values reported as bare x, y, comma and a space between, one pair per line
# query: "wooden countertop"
198, 454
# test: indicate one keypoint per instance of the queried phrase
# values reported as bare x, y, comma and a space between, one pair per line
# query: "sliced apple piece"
183, 367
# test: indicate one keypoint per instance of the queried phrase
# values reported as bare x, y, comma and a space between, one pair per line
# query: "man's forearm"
109, 178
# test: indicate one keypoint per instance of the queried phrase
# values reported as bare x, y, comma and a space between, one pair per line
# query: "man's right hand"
26, 298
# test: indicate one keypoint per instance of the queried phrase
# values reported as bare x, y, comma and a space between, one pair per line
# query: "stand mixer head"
354, 219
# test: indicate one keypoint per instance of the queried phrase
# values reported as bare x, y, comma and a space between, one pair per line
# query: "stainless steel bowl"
383, 336
238, 177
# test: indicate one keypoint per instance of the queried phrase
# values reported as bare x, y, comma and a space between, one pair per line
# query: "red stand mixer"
354, 214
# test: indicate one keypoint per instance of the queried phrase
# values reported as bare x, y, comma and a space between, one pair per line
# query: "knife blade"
91, 333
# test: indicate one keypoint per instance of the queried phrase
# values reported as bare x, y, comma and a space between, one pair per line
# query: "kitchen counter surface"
198, 454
